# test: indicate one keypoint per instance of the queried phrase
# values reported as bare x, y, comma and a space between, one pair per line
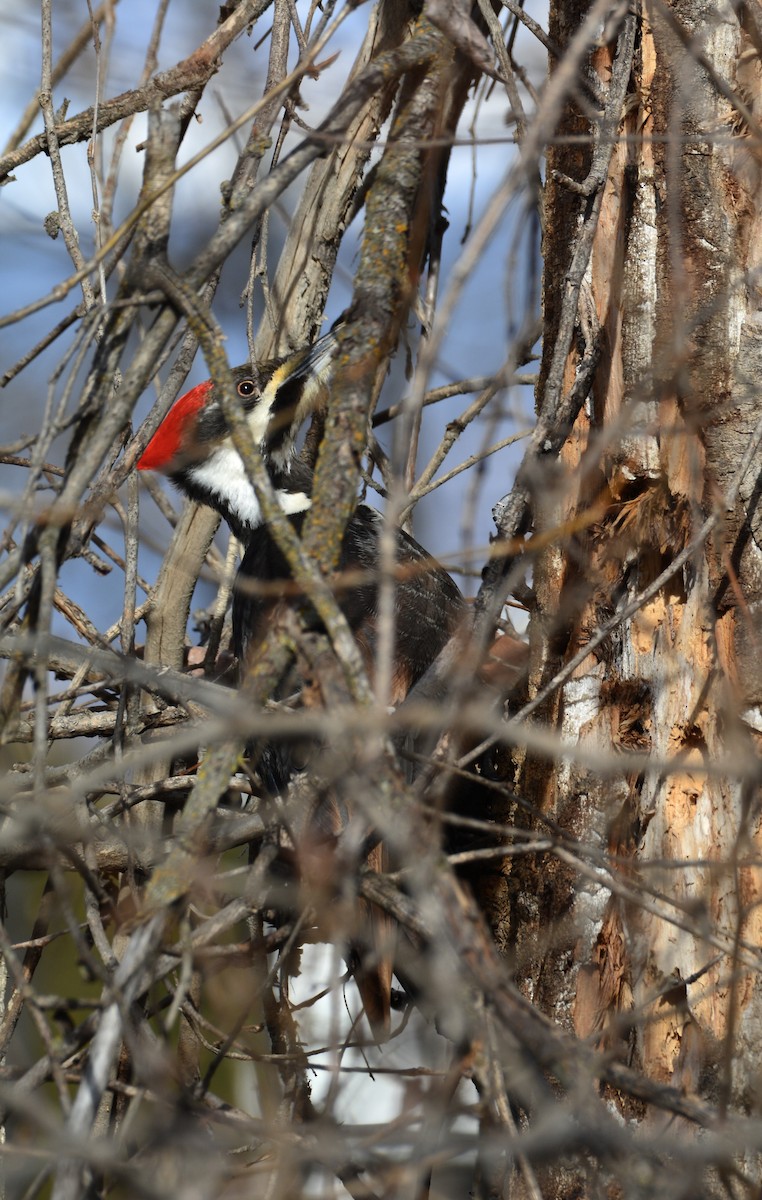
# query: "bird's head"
194, 448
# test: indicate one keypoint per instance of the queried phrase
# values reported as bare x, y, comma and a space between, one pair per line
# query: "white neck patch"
222, 475
293, 502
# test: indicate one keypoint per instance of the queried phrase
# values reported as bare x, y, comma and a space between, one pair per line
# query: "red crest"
168, 440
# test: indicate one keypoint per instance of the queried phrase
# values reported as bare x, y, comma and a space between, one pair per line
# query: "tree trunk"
642, 933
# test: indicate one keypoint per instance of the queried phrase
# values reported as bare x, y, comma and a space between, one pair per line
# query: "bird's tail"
373, 959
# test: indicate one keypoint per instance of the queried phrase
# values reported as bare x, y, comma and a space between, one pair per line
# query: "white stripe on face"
293, 502
223, 476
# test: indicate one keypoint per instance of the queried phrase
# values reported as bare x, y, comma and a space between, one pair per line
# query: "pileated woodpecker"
194, 448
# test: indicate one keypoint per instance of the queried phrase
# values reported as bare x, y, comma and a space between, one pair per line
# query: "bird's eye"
246, 388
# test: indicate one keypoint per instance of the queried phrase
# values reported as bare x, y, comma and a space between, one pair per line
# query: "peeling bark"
656, 961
